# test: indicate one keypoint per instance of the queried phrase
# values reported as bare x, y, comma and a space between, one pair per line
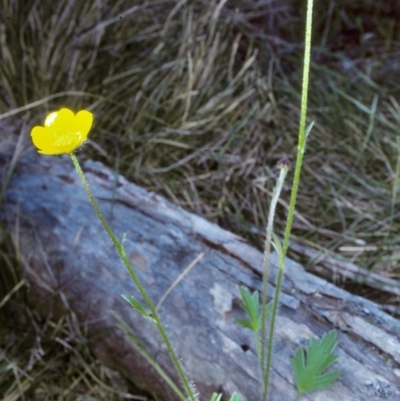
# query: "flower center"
67, 138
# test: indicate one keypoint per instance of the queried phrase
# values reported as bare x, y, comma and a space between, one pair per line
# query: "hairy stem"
303, 132
136, 280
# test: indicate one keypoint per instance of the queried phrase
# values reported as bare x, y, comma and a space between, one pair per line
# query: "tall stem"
136, 280
300, 153
267, 253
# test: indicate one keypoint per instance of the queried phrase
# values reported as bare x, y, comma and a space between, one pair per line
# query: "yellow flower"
63, 132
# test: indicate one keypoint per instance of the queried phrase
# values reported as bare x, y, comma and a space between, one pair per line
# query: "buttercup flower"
63, 132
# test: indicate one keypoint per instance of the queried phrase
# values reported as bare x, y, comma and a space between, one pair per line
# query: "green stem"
267, 252
135, 341
136, 280
300, 153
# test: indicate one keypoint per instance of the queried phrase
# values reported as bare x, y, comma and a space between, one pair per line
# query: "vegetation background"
198, 100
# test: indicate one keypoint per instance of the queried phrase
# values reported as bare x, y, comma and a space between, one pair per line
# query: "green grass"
199, 106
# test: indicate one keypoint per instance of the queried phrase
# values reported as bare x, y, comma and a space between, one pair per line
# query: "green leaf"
251, 307
276, 243
138, 306
216, 397
123, 238
235, 397
244, 323
308, 365
309, 128
269, 308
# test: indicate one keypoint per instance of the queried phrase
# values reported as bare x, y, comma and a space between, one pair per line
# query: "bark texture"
66, 251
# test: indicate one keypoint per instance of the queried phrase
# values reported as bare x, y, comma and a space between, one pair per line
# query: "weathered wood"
65, 249
346, 270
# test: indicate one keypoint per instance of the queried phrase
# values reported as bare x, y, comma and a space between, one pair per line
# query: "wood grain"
66, 252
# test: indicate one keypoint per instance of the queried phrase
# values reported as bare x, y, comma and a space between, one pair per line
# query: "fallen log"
66, 251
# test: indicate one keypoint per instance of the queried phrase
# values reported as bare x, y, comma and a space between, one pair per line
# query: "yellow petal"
63, 131
50, 119
39, 137
49, 141
61, 120
84, 121
51, 151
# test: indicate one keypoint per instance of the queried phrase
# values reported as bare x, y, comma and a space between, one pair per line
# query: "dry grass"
50, 360
198, 103
43, 358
